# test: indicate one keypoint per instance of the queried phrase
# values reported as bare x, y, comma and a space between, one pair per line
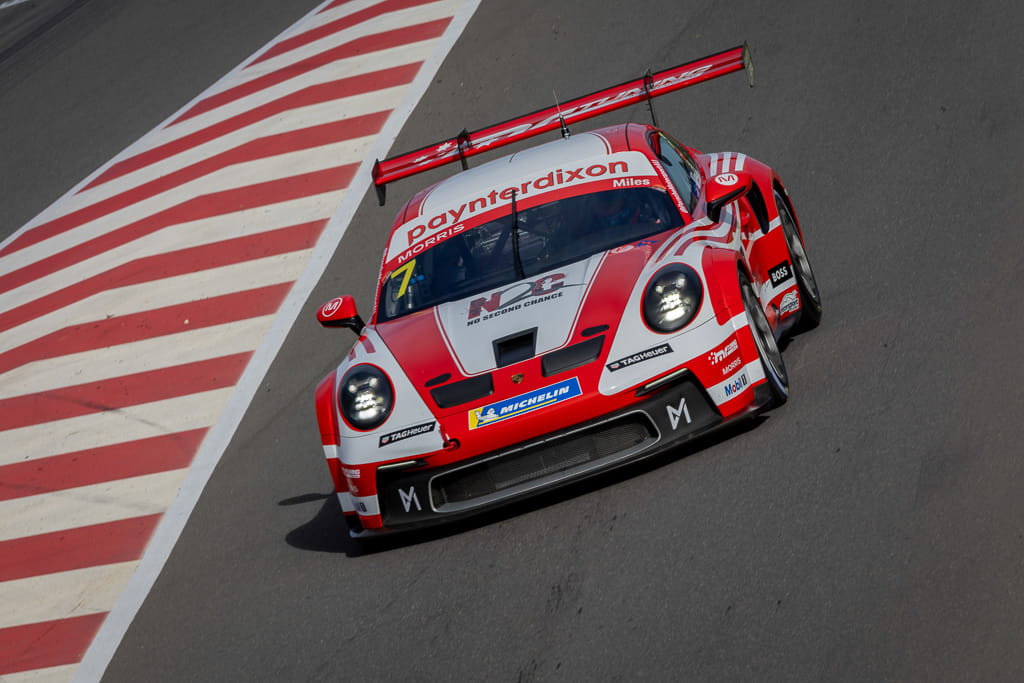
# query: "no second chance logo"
509, 408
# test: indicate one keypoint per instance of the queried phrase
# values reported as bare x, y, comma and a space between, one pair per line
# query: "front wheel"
810, 296
767, 348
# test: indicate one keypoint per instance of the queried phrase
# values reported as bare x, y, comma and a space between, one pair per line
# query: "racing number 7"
406, 272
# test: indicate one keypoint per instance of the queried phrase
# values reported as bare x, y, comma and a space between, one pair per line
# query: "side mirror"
723, 188
340, 312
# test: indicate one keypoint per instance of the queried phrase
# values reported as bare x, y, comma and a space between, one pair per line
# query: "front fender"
721, 275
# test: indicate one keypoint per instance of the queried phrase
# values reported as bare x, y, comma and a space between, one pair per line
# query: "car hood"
498, 328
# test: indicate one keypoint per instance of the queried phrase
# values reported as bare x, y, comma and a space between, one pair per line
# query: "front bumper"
664, 418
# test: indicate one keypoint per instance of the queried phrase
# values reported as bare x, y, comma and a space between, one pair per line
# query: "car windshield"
523, 243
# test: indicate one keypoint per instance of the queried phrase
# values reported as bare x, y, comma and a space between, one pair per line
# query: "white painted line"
385, 22
179, 236
110, 427
230, 178
412, 53
55, 674
63, 595
11, 3
407, 54
171, 524
361, 64
87, 505
143, 142
294, 120
188, 346
160, 293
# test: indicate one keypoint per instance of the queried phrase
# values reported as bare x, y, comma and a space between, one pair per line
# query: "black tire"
810, 295
767, 347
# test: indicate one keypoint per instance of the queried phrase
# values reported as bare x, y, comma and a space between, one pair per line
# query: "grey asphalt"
870, 530
80, 80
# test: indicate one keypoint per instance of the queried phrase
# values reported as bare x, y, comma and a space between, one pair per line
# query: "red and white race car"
560, 312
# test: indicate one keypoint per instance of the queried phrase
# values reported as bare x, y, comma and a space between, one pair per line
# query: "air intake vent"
515, 348
572, 356
481, 480
467, 390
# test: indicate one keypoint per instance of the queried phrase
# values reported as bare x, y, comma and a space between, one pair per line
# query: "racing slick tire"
810, 296
767, 347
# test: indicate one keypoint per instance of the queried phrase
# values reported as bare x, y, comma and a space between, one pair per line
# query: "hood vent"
464, 391
515, 347
571, 356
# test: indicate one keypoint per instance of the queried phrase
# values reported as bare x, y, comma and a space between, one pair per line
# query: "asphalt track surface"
871, 529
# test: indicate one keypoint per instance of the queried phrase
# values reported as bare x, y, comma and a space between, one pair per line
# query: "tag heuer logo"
406, 433
639, 357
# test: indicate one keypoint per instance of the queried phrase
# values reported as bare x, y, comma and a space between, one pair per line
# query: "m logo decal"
675, 412
409, 499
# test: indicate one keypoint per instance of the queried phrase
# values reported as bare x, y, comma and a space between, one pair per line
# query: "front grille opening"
571, 357
463, 391
542, 460
515, 347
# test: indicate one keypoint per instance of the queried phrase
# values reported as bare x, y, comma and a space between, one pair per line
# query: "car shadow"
327, 531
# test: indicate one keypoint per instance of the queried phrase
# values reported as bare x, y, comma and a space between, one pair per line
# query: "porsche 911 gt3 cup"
561, 311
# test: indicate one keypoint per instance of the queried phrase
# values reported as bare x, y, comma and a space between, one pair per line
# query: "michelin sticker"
524, 403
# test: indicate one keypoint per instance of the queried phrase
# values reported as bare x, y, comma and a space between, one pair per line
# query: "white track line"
54, 674
161, 293
381, 24
188, 346
112, 427
109, 501
296, 120
354, 66
62, 595
231, 178
171, 524
180, 236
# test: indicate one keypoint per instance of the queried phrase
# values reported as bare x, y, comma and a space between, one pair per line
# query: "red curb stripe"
99, 465
337, 25
358, 46
260, 148
87, 546
170, 264
206, 206
98, 334
47, 644
314, 94
336, 3
117, 393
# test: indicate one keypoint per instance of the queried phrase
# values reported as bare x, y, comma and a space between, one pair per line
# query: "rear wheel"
767, 348
810, 297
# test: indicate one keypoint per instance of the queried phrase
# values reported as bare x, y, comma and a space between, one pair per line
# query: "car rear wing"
651, 85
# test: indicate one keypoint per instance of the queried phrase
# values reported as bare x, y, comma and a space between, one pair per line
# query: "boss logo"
781, 273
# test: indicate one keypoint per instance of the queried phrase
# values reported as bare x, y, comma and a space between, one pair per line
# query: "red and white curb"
139, 313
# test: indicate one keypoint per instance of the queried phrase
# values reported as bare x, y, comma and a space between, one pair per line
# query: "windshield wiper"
515, 240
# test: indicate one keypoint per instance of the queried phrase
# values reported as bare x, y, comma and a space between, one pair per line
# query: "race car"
561, 311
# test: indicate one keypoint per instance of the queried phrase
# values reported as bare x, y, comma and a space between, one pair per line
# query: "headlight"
366, 397
672, 298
